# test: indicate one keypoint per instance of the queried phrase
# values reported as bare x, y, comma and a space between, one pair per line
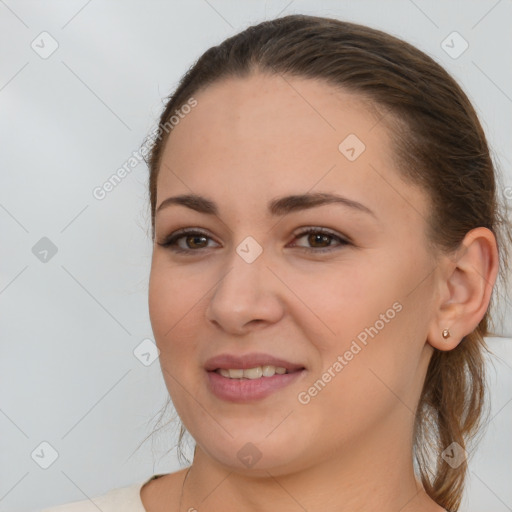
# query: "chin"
280, 455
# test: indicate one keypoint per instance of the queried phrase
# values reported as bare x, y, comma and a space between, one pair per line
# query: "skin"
247, 142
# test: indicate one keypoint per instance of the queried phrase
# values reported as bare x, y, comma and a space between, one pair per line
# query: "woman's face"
345, 308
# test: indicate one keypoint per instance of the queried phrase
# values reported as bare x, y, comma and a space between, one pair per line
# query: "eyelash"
170, 241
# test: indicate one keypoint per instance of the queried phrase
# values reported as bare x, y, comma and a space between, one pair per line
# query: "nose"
246, 297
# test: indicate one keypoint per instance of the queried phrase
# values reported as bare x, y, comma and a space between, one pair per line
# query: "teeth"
252, 373
268, 370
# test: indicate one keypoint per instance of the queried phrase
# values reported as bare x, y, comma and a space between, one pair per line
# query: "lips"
244, 390
246, 361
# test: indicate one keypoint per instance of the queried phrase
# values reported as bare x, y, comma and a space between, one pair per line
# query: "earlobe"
467, 285
446, 334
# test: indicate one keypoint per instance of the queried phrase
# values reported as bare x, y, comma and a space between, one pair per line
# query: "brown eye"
315, 239
320, 240
196, 241
184, 241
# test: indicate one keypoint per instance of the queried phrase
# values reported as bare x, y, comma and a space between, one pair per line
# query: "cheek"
377, 328
173, 319
363, 380
173, 297
345, 301
174, 305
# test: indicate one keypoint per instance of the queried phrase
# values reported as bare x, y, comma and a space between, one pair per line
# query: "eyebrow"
276, 207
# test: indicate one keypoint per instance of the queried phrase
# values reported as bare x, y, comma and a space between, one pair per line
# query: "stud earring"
446, 334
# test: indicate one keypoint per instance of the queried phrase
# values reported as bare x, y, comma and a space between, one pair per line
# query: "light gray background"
68, 374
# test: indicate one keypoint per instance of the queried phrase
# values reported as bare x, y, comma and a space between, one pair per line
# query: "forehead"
267, 135
281, 112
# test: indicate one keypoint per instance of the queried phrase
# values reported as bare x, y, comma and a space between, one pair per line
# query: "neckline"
138, 488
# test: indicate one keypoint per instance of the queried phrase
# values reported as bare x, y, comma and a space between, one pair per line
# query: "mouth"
257, 372
249, 377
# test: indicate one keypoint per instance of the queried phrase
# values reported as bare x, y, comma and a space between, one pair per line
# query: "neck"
368, 475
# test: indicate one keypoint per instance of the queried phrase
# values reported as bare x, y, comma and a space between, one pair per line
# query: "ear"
465, 288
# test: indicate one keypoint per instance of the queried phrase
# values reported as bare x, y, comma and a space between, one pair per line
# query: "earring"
446, 334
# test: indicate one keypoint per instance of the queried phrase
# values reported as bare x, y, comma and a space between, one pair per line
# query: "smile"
252, 373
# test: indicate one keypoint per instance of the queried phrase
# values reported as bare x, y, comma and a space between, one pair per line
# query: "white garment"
122, 499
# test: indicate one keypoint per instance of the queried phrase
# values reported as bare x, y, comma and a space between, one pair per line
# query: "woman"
326, 243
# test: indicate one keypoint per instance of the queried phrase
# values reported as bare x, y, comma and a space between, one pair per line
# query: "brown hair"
439, 144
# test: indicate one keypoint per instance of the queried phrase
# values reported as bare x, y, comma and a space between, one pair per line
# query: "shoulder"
159, 493
126, 499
